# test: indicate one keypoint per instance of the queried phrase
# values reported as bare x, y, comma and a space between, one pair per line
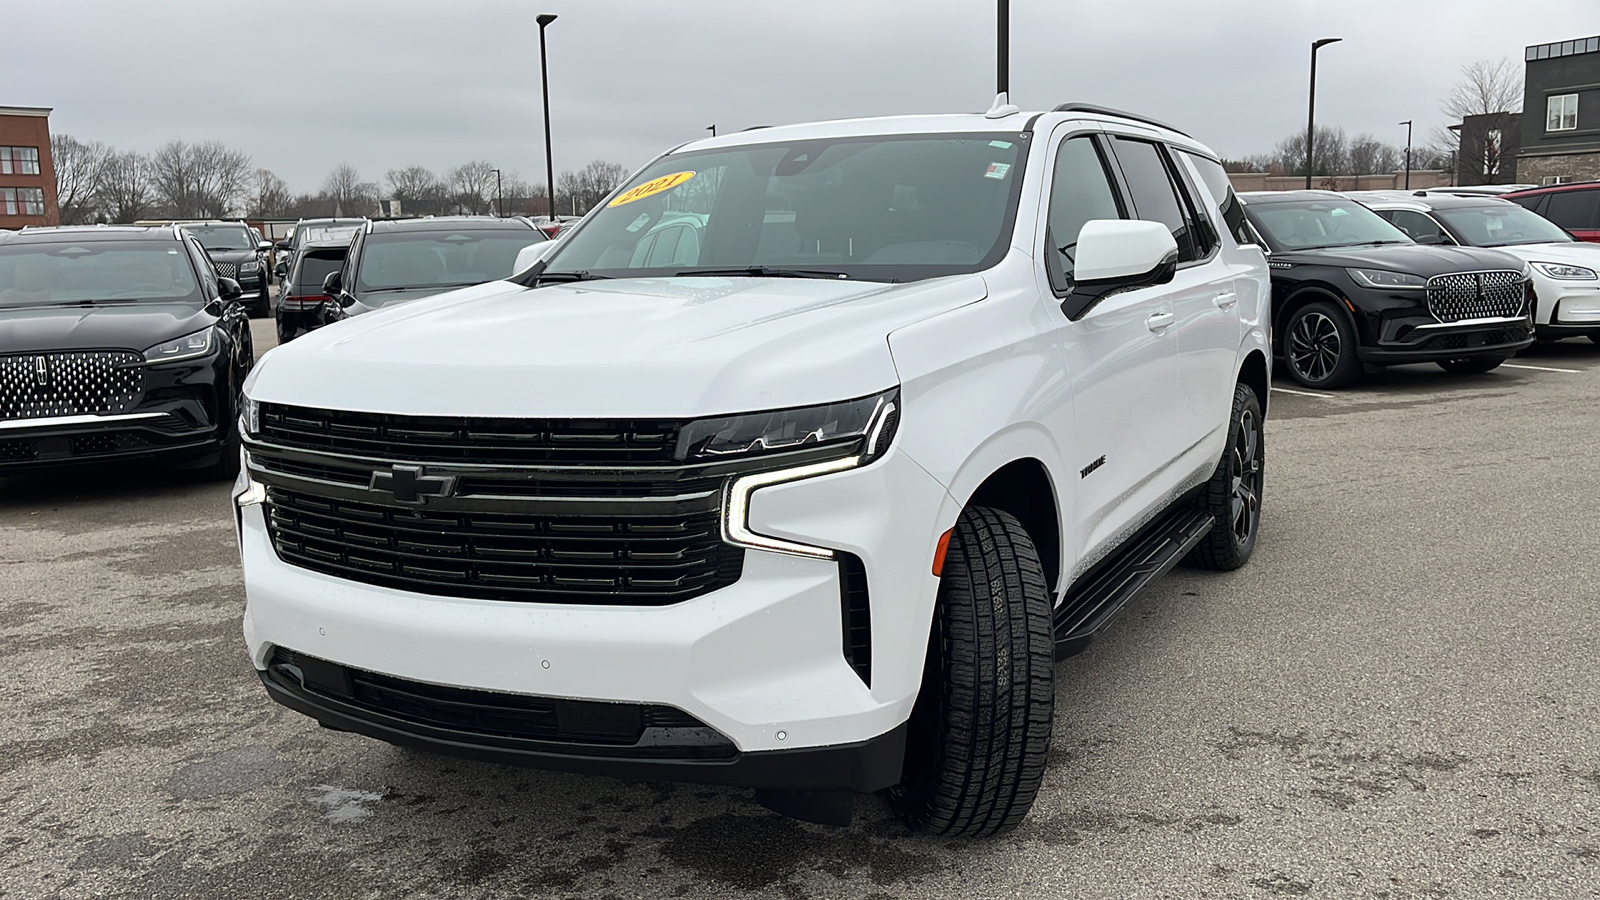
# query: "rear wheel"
980, 730
1320, 347
1233, 494
1470, 366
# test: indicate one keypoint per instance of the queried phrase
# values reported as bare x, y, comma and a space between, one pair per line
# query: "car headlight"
249, 416
1564, 272
249, 265
190, 346
1386, 280
863, 427
862, 430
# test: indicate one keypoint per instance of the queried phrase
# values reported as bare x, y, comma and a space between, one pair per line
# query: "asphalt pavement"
1397, 698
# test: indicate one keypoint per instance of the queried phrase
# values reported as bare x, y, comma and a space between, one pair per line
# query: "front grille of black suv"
76, 383
1476, 295
633, 560
226, 270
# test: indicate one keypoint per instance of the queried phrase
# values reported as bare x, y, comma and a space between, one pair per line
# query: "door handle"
1226, 301
1158, 321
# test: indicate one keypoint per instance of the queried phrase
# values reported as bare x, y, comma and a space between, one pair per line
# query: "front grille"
226, 270
475, 440
1475, 295
641, 560
76, 383
488, 712
1473, 339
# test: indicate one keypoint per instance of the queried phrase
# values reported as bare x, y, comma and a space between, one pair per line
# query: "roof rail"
1121, 114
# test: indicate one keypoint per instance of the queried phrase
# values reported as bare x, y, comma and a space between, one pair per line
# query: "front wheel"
980, 731
1469, 366
1233, 495
1320, 347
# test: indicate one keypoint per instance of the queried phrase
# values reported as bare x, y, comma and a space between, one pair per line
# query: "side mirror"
281, 269
1119, 254
229, 289
527, 256
282, 245
264, 246
332, 285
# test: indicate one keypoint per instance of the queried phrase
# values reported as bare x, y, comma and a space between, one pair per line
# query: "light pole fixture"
1311, 113
1407, 124
544, 78
499, 197
713, 129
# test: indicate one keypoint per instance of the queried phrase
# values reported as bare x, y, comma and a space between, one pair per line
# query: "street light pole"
1002, 54
1311, 112
544, 78
499, 197
1407, 124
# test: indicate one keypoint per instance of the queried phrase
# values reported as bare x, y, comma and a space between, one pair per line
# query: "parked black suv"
1350, 290
302, 305
308, 231
406, 259
118, 343
238, 254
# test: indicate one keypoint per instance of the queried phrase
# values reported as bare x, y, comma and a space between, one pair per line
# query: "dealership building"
1560, 140
27, 174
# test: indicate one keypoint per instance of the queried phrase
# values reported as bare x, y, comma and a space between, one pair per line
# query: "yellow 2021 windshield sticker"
651, 188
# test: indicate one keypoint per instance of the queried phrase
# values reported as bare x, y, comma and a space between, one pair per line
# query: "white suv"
795, 466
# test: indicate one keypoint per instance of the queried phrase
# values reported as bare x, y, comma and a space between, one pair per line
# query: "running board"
1094, 599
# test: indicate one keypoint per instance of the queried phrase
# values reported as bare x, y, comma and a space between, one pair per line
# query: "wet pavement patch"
228, 774
345, 806
753, 852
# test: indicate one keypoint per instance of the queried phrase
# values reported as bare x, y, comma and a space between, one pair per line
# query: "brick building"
27, 173
1561, 113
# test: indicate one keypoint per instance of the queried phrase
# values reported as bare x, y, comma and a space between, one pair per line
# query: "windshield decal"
652, 187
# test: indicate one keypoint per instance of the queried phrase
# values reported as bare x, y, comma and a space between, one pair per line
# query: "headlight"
866, 426
1564, 272
249, 416
189, 346
249, 265
1386, 280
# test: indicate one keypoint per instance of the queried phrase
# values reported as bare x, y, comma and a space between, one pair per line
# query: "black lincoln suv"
1350, 290
237, 253
118, 343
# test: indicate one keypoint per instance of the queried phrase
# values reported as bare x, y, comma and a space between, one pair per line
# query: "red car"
1575, 207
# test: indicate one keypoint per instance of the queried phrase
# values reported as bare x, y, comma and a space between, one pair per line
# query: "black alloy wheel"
1470, 366
1233, 495
1320, 348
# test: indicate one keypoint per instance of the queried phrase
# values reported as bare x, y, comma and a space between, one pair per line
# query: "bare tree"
578, 192
272, 195
349, 194
1370, 156
417, 188
126, 187
471, 185
1333, 153
1485, 88
205, 180
78, 168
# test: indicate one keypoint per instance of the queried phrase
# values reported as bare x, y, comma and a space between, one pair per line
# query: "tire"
1233, 494
1470, 366
226, 468
1319, 347
980, 731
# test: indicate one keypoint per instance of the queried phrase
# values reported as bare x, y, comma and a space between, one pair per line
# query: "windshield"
896, 208
1312, 224
441, 259
1501, 225
91, 271
222, 237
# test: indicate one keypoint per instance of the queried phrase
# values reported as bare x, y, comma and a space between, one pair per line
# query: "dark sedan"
118, 344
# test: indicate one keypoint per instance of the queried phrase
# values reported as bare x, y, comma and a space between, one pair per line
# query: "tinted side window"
1418, 227
1079, 191
1155, 199
1574, 209
202, 264
1221, 188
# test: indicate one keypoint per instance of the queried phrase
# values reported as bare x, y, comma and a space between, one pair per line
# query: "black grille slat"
637, 560
76, 383
1476, 295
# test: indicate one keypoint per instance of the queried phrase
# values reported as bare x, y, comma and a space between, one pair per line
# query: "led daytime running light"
736, 511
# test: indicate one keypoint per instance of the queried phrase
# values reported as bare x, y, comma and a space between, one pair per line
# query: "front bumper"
1566, 307
760, 662
1432, 342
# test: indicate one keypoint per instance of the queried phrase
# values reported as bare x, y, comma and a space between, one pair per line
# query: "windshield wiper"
559, 277
761, 272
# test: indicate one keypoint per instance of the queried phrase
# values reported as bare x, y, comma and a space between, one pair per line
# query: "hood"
670, 348
377, 300
1417, 259
1577, 253
231, 256
136, 326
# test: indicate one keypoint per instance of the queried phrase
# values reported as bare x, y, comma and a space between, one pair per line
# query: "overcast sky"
302, 85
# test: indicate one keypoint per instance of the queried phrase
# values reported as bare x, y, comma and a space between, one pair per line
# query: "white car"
810, 505
1566, 271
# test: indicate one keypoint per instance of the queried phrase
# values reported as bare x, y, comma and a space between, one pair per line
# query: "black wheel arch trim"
1322, 291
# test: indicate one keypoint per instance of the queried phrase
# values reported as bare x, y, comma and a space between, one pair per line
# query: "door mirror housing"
229, 290
1119, 254
333, 285
281, 245
264, 246
527, 256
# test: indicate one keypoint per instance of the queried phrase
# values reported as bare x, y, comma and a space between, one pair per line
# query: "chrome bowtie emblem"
412, 484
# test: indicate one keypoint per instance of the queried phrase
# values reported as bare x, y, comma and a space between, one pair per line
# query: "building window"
22, 201
1555, 179
19, 160
1491, 153
1561, 113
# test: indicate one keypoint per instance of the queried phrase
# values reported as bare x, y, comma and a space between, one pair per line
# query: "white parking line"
1303, 393
1542, 369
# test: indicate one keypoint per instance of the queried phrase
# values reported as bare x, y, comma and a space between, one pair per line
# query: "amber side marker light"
938, 555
